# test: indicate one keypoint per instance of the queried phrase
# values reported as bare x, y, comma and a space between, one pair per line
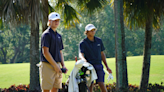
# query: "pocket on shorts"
58, 81
59, 75
98, 67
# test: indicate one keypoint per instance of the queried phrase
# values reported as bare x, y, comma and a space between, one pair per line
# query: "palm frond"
70, 15
15, 12
1, 24
51, 9
136, 12
91, 5
20, 11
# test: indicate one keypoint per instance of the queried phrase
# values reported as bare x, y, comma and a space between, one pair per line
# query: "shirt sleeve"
102, 46
45, 40
81, 48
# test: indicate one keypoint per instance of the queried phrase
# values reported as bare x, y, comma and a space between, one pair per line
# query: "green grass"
14, 74
19, 73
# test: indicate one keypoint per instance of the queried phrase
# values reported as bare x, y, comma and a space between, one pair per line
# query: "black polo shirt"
53, 41
92, 50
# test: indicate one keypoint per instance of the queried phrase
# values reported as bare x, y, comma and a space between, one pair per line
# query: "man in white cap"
51, 56
91, 50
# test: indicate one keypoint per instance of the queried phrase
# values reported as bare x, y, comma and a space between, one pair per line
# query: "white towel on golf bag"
73, 85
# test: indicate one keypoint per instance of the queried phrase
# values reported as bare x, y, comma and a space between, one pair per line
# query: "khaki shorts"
49, 78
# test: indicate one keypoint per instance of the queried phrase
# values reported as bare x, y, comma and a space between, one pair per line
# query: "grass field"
20, 73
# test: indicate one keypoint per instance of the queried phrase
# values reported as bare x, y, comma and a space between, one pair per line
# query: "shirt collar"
90, 40
53, 31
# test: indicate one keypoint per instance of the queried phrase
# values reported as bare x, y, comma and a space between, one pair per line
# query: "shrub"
110, 87
14, 88
155, 87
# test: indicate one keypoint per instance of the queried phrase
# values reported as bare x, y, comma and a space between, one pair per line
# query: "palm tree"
34, 45
145, 14
121, 65
17, 12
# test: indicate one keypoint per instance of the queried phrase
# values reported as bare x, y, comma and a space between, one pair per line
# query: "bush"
155, 87
14, 88
110, 87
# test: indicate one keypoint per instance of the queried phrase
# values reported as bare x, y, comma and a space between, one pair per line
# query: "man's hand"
81, 56
109, 70
65, 68
57, 69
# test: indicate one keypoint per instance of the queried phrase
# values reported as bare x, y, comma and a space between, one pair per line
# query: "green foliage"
129, 53
104, 23
69, 10
15, 45
10, 38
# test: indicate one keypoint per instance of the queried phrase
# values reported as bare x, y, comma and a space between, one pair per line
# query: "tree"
145, 14
34, 45
18, 47
14, 44
3, 48
19, 12
121, 65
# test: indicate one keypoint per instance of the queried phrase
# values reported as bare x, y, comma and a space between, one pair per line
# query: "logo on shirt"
59, 37
98, 44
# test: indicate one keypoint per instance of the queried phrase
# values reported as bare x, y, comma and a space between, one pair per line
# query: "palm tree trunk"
147, 54
121, 65
34, 47
34, 58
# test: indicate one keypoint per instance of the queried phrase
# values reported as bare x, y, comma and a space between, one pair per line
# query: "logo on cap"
53, 16
90, 27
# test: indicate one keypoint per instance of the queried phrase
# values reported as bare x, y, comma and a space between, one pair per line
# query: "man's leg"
91, 88
45, 90
46, 81
102, 87
58, 81
54, 90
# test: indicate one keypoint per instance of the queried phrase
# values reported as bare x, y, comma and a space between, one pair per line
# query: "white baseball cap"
53, 16
89, 27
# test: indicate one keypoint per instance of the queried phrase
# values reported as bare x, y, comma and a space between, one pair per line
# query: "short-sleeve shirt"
53, 41
92, 50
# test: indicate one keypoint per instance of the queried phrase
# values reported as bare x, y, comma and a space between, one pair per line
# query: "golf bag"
81, 78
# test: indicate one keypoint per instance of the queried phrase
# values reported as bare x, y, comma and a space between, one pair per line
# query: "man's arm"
62, 61
81, 56
49, 58
104, 61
